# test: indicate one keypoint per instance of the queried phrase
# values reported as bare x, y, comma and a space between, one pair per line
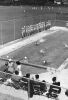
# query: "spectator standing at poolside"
19, 68
11, 68
23, 32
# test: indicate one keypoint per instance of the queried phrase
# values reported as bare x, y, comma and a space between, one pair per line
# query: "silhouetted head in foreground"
54, 79
37, 76
18, 62
16, 72
28, 75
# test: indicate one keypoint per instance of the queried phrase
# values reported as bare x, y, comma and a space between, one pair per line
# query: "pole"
28, 89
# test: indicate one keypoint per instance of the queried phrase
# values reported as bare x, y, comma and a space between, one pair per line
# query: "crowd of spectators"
35, 28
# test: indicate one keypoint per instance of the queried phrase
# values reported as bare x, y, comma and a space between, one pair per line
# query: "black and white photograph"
33, 49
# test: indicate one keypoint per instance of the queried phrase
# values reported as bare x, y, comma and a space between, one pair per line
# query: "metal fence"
10, 30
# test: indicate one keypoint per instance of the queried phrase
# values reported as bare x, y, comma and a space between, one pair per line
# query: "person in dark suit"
54, 81
55, 89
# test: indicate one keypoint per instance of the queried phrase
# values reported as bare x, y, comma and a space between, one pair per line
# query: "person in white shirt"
19, 68
11, 68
